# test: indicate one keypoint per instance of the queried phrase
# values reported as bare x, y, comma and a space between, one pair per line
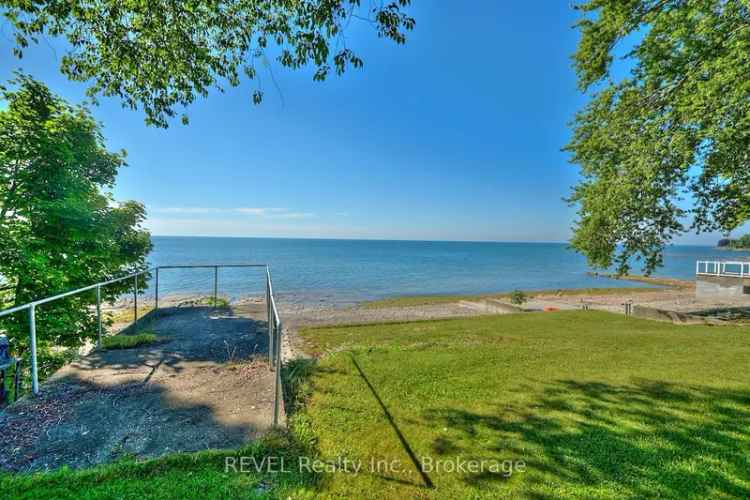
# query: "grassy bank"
122, 341
427, 300
654, 283
594, 405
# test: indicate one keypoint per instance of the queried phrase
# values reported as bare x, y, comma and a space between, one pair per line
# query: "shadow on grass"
298, 377
645, 439
402, 439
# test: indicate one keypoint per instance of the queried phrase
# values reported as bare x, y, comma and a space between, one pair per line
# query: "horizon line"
349, 239
393, 239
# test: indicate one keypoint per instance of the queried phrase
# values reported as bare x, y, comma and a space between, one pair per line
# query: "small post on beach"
135, 304
99, 316
216, 285
34, 365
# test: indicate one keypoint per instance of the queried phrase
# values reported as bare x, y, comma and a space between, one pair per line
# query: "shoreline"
325, 301
662, 293
655, 284
335, 299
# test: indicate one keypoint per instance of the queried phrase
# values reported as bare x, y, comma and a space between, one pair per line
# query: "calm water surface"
345, 271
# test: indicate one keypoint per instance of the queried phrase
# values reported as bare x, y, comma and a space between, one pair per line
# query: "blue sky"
454, 136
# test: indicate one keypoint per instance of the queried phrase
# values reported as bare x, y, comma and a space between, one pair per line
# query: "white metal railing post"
268, 299
268, 304
34, 364
271, 321
732, 268
272, 338
99, 316
277, 382
135, 303
156, 293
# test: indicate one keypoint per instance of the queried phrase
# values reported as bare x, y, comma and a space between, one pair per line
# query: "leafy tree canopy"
665, 149
161, 54
59, 230
741, 243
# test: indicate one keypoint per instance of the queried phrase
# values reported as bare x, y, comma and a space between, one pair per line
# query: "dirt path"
205, 384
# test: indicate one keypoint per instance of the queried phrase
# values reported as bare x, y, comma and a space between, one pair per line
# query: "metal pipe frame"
45, 300
275, 329
135, 303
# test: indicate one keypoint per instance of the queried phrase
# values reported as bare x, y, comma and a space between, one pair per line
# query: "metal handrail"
31, 307
275, 332
275, 329
722, 268
45, 300
206, 266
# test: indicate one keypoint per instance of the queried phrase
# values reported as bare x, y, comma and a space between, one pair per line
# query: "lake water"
346, 271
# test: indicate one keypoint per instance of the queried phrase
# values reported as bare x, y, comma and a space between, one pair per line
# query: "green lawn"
574, 404
177, 476
594, 405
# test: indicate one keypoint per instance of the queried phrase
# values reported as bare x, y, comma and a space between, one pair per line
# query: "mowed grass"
177, 476
595, 405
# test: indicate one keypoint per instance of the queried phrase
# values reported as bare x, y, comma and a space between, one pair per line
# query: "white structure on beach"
719, 279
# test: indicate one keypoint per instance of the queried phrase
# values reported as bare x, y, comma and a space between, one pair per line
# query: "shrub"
517, 297
128, 341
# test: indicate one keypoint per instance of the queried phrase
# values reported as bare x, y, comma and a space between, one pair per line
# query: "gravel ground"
205, 384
